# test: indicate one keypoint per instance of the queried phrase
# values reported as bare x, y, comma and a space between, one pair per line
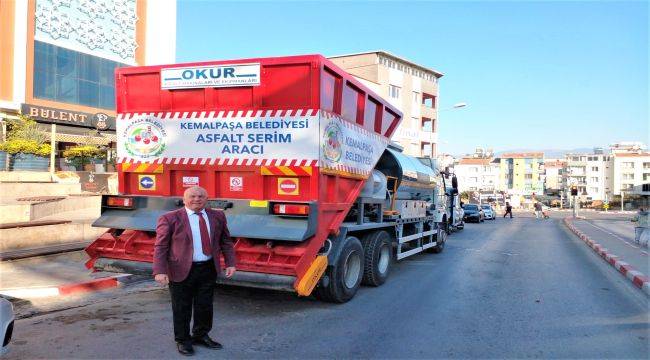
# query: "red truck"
293, 149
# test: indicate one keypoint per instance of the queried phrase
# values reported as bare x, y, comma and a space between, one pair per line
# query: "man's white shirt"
196, 234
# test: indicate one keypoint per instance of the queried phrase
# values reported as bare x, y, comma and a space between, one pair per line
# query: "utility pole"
574, 193
622, 199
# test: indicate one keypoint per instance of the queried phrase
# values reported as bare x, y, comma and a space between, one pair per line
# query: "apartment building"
58, 59
555, 179
477, 174
593, 175
410, 87
601, 176
522, 173
631, 173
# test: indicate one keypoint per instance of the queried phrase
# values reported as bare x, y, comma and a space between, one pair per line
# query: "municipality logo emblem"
332, 138
145, 138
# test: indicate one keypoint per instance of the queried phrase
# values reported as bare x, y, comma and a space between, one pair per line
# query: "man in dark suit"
189, 242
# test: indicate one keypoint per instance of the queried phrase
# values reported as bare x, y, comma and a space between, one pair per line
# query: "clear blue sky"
535, 75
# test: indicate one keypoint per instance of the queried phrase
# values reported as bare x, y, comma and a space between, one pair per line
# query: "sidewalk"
54, 275
613, 236
613, 240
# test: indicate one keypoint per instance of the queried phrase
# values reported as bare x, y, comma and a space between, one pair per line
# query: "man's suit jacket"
173, 249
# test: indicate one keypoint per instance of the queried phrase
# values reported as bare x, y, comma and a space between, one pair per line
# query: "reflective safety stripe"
286, 170
143, 168
308, 282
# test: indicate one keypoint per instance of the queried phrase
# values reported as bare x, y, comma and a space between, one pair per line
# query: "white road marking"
618, 237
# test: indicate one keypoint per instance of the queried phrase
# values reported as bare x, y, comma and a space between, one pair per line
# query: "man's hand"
230, 271
162, 279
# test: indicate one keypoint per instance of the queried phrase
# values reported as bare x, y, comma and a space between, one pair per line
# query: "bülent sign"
210, 76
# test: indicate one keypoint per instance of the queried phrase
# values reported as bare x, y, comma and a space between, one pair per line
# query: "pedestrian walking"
538, 210
188, 244
508, 210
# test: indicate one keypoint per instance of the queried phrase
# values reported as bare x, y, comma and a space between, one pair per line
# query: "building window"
429, 100
427, 125
646, 177
627, 165
646, 188
593, 189
594, 168
416, 99
628, 176
627, 186
646, 165
72, 77
528, 176
427, 149
393, 91
594, 179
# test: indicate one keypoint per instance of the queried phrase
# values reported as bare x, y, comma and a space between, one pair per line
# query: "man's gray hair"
195, 188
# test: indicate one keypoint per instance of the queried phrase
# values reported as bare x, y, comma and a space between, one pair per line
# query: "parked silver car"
489, 212
6, 324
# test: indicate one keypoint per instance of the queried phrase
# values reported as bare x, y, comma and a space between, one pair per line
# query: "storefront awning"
102, 139
78, 135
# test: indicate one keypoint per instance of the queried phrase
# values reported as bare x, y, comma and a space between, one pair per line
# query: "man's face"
195, 199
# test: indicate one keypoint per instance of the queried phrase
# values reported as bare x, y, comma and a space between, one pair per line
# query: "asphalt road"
507, 288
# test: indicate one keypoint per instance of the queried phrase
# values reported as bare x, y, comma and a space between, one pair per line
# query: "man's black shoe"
207, 342
185, 348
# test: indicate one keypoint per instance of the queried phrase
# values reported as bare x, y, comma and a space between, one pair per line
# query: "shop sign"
93, 182
99, 121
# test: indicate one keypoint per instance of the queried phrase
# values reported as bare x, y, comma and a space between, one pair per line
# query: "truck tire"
441, 239
341, 281
378, 254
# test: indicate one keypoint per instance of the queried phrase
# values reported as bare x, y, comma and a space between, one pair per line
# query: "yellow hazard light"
308, 282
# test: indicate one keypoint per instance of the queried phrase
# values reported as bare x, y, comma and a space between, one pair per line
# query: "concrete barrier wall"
26, 176
92, 205
40, 236
15, 213
38, 189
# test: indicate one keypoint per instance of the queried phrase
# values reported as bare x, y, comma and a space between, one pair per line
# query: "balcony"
427, 112
576, 163
428, 136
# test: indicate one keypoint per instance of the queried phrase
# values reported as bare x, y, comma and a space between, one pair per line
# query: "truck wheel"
441, 239
378, 253
341, 282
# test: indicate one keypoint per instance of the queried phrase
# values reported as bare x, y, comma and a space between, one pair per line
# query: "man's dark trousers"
197, 290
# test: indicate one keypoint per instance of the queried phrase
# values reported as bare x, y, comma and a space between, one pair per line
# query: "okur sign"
210, 76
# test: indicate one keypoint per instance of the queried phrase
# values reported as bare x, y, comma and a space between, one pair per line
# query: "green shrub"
84, 151
17, 145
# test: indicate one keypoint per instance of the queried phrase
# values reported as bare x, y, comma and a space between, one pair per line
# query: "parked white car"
6, 324
489, 212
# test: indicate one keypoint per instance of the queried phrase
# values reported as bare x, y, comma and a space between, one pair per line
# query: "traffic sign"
146, 182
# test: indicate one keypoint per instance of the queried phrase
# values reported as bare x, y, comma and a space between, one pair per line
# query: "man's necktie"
205, 235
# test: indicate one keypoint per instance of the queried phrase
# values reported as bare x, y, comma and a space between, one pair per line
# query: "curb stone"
636, 277
71, 289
